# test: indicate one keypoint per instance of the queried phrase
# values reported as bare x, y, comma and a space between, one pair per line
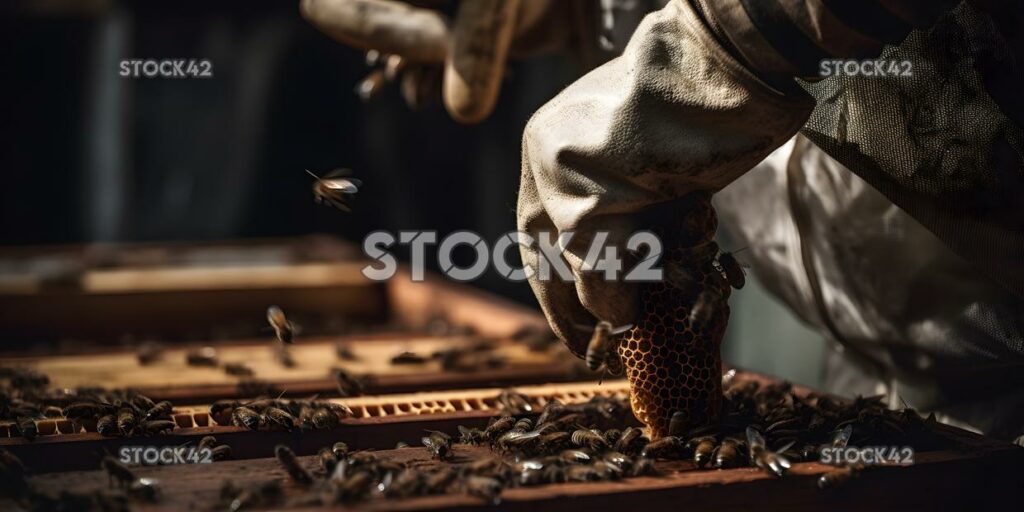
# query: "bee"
283, 328
668, 446
223, 406
107, 425
340, 450
344, 352
554, 441
246, 417
643, 466
439, 444
631, 441
677, 424
149, 352
220, 452
732, 269
328, 460
207, 443
842, 437
83, 410
335, 188
28, 428
602, 352
483, 487
116, 471
142, 402
574, 456
499, 427
582, 473
127, 421
279, 417
470, 435
291, 465
439, 481
144, 489
354, 488
324, 418
771, 462
607, 470
206, 356
52, 411
727, 454
518, 440
238, 370
523, 424
284, 356
514, 402
589, 439
153, 427
347, 385
408, 358
839, 476
703, 450
159, 411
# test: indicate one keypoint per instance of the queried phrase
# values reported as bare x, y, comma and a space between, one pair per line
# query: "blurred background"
93, 157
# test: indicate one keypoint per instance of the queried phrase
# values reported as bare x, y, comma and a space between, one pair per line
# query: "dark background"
90, 156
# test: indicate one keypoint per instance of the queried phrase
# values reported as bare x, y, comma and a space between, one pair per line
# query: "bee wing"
622, 329
754, 437
842, 437
786, 447
346, 185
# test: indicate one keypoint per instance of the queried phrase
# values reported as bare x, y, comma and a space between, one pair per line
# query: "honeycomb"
672, 356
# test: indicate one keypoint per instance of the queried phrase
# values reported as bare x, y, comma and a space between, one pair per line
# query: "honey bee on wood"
238, 370
206, 356
116, 471
632, 441
149, 352
336, 188
589, 439
127, 421
514, 402
408, 358
291, 465
727, 454
84, 410
771, 462
732, 269
154, 427
666, 447
283, 328
107, 425
324, 418
439, 444
246, 417
483, 487
27, 427
278, 417
703, 450
602, 350
499, 427
161, 410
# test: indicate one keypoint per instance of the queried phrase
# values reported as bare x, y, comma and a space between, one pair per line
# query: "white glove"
675, 114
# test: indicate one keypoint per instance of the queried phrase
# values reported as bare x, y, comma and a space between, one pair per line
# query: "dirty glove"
675, 115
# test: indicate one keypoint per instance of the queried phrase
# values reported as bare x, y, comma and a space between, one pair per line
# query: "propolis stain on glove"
672, 356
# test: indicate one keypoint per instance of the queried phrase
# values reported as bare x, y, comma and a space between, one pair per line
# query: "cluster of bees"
279, 414
119, 412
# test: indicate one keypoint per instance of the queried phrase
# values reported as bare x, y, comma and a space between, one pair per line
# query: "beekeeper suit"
886, 210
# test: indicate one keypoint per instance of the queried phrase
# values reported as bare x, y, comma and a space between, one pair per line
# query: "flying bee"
602, 351
116, 471
291, 465
206, 356
732, 269
238, 370
283, 328
246, 417
771, 462
439, 444
335, 188
107, 425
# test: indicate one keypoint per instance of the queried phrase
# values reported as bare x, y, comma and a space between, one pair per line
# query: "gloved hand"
674, 115
418, 42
